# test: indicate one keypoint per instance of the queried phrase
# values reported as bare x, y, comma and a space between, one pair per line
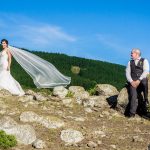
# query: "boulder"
47, 121
96, 101
79, 93
123, 98
24, 134
38, 144
71, 136
60, 92
106, 90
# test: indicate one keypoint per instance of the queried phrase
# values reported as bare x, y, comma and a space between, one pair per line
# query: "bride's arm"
9, 59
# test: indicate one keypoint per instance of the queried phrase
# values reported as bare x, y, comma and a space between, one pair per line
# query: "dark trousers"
138, 98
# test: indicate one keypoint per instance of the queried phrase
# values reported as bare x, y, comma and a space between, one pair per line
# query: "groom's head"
135, 53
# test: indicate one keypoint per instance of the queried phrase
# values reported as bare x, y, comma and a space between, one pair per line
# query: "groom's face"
134, 55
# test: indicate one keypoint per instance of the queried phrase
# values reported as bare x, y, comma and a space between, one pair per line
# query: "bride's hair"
4, 40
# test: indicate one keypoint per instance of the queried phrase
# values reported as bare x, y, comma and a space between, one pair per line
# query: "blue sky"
98, 29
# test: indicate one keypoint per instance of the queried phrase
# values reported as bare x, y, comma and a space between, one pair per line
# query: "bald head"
136, 50
135, 53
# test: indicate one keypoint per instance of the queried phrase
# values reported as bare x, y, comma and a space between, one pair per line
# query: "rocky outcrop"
106, 90
24, 133
79, 93
46, 121
123, 98
95, 101
60, 92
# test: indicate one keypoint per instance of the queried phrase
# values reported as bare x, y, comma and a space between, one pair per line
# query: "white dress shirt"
145, 70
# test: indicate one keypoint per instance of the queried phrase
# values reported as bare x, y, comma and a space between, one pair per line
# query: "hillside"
91, 73
59, 121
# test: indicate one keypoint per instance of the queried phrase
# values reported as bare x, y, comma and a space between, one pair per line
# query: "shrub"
92, 91
7, 141
70, 94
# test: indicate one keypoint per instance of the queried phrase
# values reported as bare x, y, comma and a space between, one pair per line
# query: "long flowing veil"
43, 73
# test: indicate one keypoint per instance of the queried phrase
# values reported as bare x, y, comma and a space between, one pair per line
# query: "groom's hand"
134, 84
137, 82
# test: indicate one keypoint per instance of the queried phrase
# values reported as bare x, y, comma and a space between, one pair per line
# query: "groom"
136, 74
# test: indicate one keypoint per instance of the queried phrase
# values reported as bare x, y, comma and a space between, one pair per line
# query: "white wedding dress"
7, 82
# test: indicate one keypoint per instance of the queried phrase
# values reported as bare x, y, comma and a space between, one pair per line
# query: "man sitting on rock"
136, 73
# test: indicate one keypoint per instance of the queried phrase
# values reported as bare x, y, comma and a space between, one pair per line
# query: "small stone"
99, 142
121, 138
137, 139
113, 146
88, 110
91, 144
101, 116
40, 97
39, 144
60, 91
99, 133
106, 113
67, 102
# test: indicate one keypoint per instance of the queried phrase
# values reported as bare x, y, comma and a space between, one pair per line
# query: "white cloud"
43, 34
23, 31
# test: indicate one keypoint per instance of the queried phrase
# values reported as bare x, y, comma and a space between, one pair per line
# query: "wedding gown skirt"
7, 82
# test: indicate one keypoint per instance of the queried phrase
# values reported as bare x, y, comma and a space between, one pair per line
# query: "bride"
43, 73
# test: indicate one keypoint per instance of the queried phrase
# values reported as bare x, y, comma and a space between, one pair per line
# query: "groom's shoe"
131, 115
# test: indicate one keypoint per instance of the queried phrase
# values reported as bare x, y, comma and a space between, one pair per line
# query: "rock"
79, 93
101, 116
122, 137
68, 102
123, 98
76, 89
113, 146
54, 99
60, 92
26, 98
91, 144
24, 133
95, 101
106, 90
76, 118
75, 69
71, 136
3, 111
137, 130
3, 105
116, 114
4, 93
99, 142
40, 97
88, 110
39, 144
81, 96
99, 133
137, 139
29, 92
106, 113
46, 121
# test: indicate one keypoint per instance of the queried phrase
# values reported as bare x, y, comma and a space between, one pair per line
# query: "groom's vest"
136, 71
